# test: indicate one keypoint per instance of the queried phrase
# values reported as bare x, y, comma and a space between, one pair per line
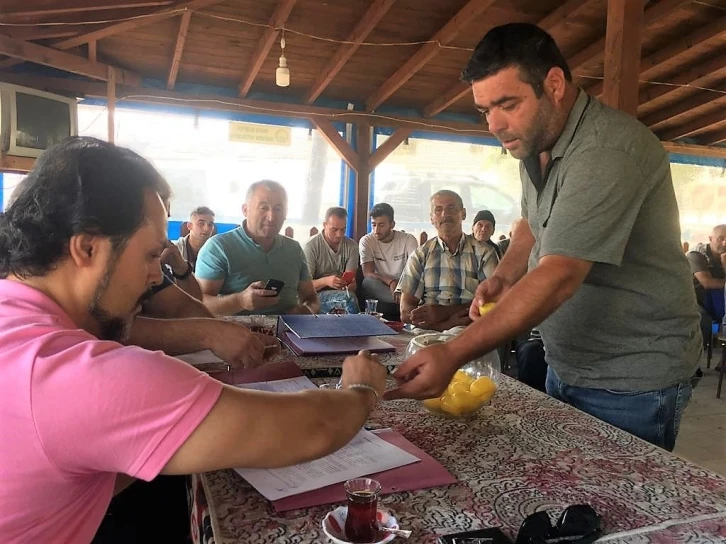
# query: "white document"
365, 454
200, 358
289, 385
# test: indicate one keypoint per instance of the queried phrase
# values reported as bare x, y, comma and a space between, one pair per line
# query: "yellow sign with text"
252, 133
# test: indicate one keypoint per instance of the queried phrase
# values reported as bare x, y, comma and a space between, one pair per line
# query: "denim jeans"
653, 416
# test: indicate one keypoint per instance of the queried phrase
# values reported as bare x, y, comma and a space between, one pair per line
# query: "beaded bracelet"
366, 387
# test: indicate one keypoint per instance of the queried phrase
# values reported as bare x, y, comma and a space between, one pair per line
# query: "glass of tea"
361, 524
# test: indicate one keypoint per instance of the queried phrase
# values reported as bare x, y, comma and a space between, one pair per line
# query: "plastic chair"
713, 302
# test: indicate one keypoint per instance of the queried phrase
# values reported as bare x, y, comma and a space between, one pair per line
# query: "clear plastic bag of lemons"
471, 387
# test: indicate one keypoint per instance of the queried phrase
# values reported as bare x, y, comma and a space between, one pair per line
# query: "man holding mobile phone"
332, 259
233, 268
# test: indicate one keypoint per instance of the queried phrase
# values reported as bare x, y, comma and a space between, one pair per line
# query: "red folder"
424, 474
265, 373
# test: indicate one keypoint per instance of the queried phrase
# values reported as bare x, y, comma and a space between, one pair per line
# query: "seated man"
441, 276
707, 265
329, 255
483, 229
233, 268
383, 254
201, 228
80, 245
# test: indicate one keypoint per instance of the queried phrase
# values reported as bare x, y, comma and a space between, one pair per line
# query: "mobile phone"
491, 535
348, 276
274, 285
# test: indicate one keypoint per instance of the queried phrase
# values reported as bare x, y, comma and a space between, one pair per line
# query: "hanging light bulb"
282, 74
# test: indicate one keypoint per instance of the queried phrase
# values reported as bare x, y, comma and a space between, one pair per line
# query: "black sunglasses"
578, 524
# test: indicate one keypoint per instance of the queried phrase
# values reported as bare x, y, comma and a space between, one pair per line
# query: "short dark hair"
522, 45
337, 211
382, 209
201, 210
81, 185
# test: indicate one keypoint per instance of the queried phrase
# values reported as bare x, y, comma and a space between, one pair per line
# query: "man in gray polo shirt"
233, 268
595, 263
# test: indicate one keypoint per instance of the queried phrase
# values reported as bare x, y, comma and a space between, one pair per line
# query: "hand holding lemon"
486, 308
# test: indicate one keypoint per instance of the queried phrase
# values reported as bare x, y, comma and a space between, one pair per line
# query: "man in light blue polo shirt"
233, 268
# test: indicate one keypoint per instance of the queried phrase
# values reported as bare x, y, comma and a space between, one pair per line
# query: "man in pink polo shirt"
81, 413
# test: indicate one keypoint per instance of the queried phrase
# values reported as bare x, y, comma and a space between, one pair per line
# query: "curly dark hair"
522, 45
81, 185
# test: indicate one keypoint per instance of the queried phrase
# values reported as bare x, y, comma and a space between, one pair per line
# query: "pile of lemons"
464, 395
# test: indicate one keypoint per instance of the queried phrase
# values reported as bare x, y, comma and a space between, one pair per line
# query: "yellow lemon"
483, 387
448, 406
484, 308
465, 402
462, 376
457, 387
433, 404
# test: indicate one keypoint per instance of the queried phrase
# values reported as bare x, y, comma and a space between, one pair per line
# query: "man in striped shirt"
441, 276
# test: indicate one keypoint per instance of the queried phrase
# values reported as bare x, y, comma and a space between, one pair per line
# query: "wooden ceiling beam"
596, 51
337, 142
242, 105
367, 23
181, 39
83, 7
388, 147
471, 10
148, 18
622, 54
111, 29
669, 53
27, 51
93, 51
702, 124
684, 106
700, 75
698, 150
461, 89
278, 19
713, 138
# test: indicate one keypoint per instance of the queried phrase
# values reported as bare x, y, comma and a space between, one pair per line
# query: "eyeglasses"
578, 524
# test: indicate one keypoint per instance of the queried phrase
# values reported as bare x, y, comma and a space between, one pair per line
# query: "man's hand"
366, 369
238, 346
490, 290
335, 282
392, 284
256, 297
425, 374
429, 314
172, 257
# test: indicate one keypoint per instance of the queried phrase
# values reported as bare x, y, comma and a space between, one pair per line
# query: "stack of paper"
365, 454
333, 334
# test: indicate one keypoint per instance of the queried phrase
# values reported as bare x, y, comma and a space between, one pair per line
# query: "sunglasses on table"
578, 524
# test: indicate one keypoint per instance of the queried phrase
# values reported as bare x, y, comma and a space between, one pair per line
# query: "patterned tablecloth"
525, 452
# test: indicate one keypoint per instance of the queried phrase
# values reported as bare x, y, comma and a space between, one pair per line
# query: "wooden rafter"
92, 51
698, 150
596, 51
671, 52
239, 105
181, 39
702, 124
387, 147
444, 36
337, 142
151, 17
88, 5
461, 89
147, 17
684, 106
32, 52
713, 138
622, 54
699, 75
367, 23
278, 19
